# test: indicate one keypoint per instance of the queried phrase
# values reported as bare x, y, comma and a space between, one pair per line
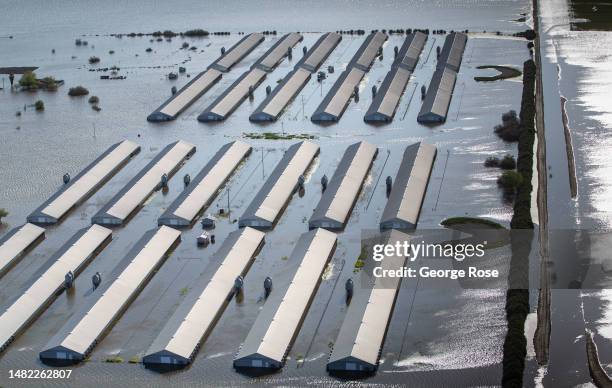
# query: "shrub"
492, 161
509, 129
149, 49
524, 163
111, 52
530, 34
196, 32
510, 180
78, 91
39, 106
93, 60
517, 298
508, 163
3, 213
28, 81
49, 83
93, 100
185, 45
461, 221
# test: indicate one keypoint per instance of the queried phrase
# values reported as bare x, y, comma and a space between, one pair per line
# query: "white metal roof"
277, 323
411, 57
439, 94
91, 179
110, 305
337, 201
370, 51
363, 329
280, 50
237, 92
444, 93
196, 317
393, 94
193, 91
238, 51
17, 243
141, 189
413, 194
343, 92
321, 51
287, 92
452, 52
44, 289
212, 182
281, 184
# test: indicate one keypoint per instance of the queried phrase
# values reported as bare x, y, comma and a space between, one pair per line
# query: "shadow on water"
165, 369
351, 376
256, 372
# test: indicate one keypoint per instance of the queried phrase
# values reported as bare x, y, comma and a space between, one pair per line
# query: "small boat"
203, 239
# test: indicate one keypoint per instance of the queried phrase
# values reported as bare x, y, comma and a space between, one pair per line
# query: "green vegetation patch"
506, 163
510, 128
510, 180
505, 72
114, 360
361, 259
517, 298
78, 91
28, 81
48, 83
464, 221
196, 32
278, 136
521, 218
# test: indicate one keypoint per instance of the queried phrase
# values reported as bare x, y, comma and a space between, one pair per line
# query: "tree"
510, 180
28, 81
3, 213
508, 163
78, 91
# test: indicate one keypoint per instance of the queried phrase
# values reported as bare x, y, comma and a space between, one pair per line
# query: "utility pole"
228, 202
263, 172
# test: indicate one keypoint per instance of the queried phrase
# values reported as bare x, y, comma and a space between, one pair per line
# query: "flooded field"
436, 337
575, 53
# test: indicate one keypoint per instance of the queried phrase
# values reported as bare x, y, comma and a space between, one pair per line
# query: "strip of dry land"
569, 148
541, 338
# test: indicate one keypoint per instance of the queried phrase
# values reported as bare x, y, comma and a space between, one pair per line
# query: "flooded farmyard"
265, 77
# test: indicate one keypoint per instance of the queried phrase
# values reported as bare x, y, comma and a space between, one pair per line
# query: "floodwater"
436, 337
576, 52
